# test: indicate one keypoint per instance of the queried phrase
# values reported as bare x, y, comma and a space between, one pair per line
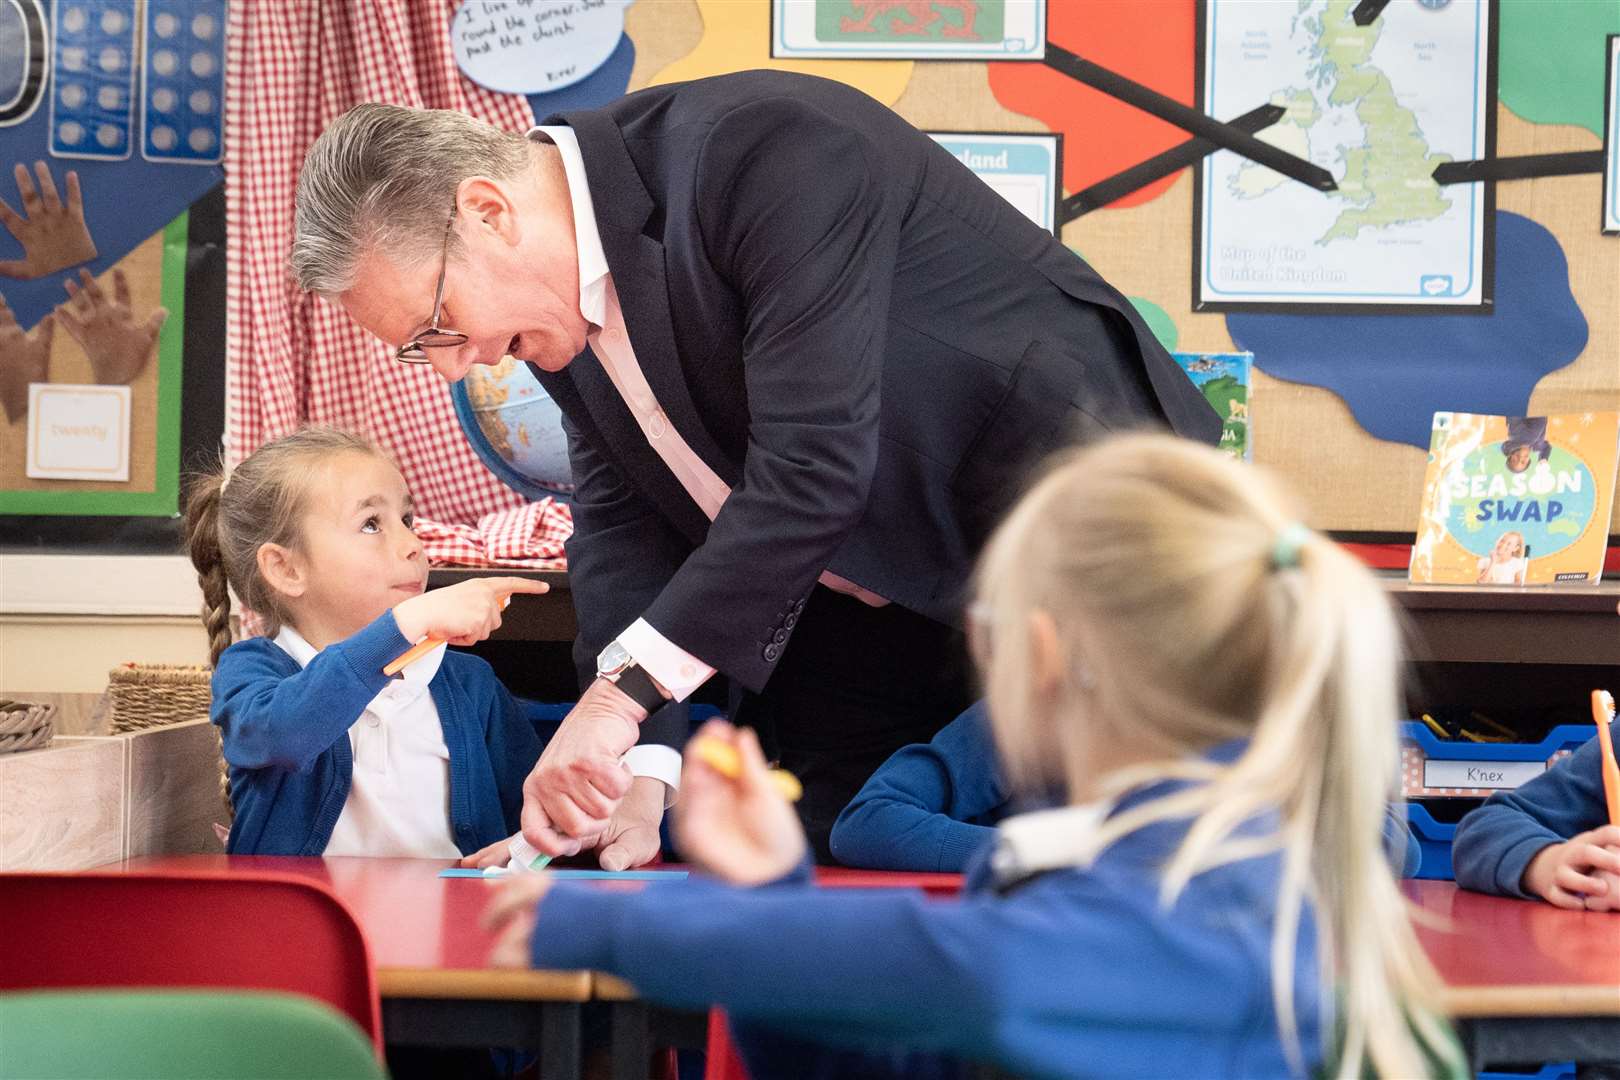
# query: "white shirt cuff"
676, 670
660, 763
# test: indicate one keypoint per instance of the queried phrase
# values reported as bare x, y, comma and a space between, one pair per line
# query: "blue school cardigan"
1078, 972
932, 805
285, 727
1495, 843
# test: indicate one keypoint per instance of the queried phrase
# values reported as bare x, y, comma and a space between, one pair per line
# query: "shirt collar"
1042, 840
418, 673
593, 267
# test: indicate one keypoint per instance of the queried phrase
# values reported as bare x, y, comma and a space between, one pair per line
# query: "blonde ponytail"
1196, 610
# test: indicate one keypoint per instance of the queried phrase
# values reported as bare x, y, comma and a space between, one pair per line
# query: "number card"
183, 83
93, 58
78, 432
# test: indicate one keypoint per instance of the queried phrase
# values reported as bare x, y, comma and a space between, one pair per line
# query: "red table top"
1498, 957
1502, 957
424, 930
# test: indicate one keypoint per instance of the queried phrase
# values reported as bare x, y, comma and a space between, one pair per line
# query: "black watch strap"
639, 685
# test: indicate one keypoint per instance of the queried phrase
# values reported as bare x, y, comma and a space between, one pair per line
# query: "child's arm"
1496, 843
911, 815
269, 718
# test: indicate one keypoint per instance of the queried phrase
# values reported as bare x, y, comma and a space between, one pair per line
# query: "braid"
202, 542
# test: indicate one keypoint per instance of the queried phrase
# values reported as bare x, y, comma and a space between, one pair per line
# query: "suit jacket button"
798, 607
792, 620
772, 651
780, 637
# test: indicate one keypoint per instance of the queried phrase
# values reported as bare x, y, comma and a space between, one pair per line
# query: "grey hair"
384, 178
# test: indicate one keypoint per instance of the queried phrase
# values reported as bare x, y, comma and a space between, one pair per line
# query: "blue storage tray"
1419, 747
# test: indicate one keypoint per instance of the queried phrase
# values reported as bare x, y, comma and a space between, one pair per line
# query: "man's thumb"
614, 857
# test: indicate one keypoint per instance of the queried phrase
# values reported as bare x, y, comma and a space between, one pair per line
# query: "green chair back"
178, 1035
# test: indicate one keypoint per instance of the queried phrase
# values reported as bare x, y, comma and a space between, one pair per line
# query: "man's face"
513, 290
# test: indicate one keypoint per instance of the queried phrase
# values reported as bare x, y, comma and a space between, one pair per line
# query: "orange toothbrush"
1603, 716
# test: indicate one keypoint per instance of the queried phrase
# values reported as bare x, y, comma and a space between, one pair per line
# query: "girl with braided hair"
326, 754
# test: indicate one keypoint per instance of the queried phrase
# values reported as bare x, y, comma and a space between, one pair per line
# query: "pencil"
1603, 716
425, 646
724, 759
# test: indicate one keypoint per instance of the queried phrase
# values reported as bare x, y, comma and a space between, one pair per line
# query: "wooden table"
432, 956
1526, 981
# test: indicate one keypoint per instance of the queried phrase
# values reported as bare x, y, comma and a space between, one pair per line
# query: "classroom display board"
110, 128
1454, 261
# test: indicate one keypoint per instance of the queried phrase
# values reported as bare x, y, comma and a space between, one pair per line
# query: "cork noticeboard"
1352, 481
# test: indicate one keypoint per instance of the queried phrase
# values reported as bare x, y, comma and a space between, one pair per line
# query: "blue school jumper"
1496, 842
284, 730
1073, 972
932, 805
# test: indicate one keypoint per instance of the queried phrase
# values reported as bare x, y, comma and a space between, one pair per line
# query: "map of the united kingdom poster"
1379, 106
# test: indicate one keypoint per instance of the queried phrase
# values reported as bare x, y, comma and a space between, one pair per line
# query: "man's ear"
486, 205
283, 569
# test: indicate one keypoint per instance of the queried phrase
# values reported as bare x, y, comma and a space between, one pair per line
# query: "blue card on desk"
578, 875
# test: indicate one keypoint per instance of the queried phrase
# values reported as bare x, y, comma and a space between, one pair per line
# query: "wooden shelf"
1498, 624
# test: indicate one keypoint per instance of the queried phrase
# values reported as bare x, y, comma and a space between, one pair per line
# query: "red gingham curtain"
293, 67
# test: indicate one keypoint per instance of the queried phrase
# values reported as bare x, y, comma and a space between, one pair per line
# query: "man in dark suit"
805, 359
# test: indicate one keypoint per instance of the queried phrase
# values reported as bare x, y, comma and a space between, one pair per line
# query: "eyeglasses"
435, 336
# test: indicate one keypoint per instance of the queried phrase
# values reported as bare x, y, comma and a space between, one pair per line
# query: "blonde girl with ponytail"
325, 753
1213, 688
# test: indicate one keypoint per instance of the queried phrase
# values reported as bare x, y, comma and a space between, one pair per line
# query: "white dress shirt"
677, 670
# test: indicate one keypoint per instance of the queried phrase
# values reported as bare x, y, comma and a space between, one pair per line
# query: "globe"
515, 428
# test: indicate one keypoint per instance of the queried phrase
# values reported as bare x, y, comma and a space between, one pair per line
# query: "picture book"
1516, 500
1224, 379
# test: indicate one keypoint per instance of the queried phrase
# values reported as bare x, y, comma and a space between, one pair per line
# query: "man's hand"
577, 784
1582, 873
24, 359
53, 236
106, 329
631, 839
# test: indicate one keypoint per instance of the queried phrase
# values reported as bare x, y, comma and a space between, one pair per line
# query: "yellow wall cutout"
737, 37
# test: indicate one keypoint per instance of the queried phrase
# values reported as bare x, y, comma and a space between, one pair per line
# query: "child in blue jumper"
1550, 838
1209, 685
326, 754
932, 805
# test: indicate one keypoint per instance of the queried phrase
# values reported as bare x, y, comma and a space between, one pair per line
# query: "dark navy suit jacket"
860, 337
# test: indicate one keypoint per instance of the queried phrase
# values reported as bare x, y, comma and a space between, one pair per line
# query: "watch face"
613, 659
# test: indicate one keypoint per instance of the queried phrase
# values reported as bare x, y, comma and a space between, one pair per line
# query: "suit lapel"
583, 389
636, 262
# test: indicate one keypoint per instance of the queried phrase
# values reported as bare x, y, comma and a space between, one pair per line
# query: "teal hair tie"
1285, 551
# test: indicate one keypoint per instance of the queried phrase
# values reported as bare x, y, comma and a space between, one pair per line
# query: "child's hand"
463, 613
496, 854
740, 830
511, 915
1582, 873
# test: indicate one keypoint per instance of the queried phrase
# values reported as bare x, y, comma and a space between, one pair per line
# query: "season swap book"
1516, 500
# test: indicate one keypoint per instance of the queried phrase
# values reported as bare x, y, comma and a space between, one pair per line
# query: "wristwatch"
617, 666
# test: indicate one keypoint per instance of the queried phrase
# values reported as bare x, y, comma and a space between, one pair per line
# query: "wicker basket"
155, 695
25, 726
